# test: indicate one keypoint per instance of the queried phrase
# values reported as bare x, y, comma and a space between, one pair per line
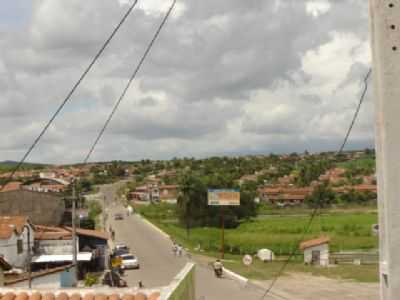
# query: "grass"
366, 163
350, 231
267, 271
345, 208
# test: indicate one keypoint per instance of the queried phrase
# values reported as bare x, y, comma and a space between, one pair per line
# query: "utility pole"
385, 41
29, 258
74, 248
222, 211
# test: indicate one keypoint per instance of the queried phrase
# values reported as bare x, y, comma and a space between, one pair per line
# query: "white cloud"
317, 8
227, 76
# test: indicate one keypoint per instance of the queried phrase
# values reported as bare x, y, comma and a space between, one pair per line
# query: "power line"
360, 102
319, 204
69, 95
133, 76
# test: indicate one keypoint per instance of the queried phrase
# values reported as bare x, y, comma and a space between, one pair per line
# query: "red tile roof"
78, 296
11, 186
315, 242
58, 233
10, 223
91, 233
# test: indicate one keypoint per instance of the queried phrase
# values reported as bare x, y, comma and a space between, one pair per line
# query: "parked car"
129, 261
121, 249
113, 279
118, 216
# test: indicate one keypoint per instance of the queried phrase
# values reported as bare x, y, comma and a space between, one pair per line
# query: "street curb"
236, 276
153, 226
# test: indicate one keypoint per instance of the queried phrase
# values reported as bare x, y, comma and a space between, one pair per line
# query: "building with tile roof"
14, 242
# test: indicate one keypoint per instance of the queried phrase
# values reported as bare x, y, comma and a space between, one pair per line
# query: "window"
20, 246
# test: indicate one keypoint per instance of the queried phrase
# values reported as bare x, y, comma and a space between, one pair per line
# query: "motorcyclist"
218, 267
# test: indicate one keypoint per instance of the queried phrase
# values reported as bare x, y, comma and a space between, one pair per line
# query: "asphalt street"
158, 265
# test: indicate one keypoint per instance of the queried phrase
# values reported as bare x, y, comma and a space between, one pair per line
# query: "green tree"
322, 196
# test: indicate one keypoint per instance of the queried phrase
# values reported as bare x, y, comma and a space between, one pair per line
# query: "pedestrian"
113, 235
174, 249
140, 283
179, 250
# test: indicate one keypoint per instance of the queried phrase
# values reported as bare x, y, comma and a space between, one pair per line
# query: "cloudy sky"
225, 77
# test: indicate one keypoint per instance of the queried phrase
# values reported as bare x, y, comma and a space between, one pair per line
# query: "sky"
226, 77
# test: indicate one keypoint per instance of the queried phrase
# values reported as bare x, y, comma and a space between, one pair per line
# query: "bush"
91, 279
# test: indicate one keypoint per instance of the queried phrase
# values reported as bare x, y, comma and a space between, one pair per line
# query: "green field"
267, 271
349, 231
366, 163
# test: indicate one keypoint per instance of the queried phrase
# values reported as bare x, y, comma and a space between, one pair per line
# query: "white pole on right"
385, 42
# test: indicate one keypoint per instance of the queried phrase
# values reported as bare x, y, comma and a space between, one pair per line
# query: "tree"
322, 196
193, 209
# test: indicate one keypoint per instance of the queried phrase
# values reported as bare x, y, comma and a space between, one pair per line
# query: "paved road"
159, 266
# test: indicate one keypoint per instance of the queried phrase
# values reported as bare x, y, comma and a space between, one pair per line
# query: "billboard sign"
223, 197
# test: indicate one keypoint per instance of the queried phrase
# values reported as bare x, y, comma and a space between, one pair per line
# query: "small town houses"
47, 249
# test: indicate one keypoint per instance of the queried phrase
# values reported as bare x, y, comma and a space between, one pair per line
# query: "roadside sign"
223, 197
247, 260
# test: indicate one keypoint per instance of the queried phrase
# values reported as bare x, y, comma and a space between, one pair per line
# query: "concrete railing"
182, 286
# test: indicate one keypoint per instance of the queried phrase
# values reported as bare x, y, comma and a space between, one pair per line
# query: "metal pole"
385, 44
74, 248
29, 257
222, 231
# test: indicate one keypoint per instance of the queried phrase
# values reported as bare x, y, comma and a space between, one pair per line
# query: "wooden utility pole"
222, 231
385, 41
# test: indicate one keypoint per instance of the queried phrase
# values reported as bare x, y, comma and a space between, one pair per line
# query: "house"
148, 192
46, 184
334, 176
41, 208
316, 251
168, 193
11, 186
281, 195
248, 178
54, 246
16, 236
4, 266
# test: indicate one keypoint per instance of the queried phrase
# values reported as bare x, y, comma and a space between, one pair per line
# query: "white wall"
324, 254
56, 246
8, 248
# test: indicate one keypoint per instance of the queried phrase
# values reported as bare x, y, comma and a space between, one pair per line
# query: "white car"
129, 261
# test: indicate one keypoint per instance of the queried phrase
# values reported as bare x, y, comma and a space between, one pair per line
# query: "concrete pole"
74, 248
385, 41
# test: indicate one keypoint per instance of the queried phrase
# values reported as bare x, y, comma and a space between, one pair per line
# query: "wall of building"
43, 282
54, 246
324, 254
8, 248
41, 208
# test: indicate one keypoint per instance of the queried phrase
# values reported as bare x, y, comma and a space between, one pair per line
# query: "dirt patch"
301, 286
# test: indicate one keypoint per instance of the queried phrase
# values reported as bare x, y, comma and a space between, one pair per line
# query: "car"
120, 249
129, 261
118, 216
121, 246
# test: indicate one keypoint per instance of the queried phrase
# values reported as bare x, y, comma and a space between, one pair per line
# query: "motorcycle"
218, 272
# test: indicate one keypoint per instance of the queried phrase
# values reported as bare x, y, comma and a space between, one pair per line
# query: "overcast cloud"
225, 77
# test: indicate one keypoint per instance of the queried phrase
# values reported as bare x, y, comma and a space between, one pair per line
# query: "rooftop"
8, 224
13, 295
314, 242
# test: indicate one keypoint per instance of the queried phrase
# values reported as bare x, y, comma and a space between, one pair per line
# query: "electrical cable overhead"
71, 92
360, 102
314, 213
133, 76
